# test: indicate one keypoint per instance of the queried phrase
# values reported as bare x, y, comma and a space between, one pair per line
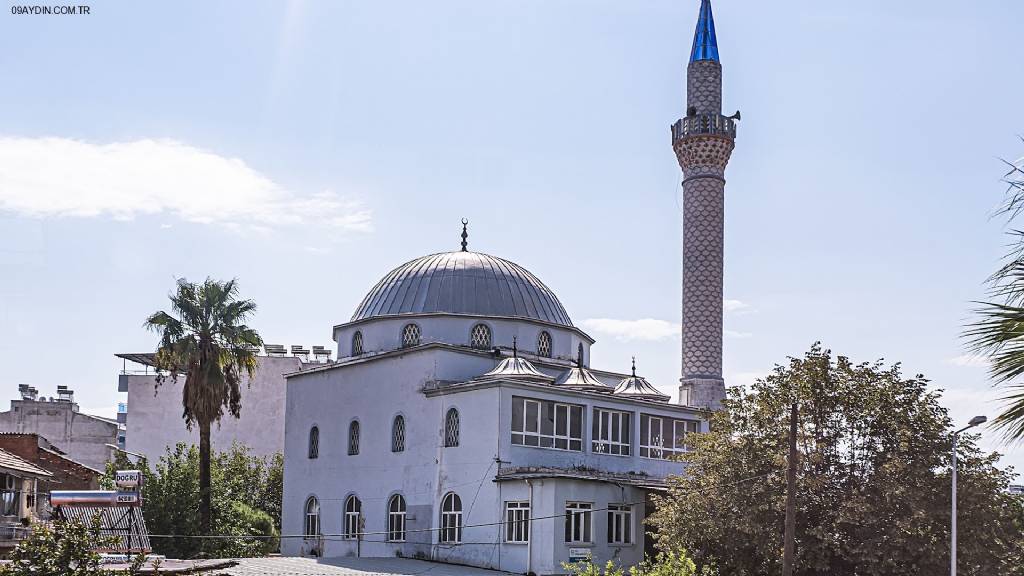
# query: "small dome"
470, 283
579, 378
637, 387
516, 368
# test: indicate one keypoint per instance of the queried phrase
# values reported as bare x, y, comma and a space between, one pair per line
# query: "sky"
307, 148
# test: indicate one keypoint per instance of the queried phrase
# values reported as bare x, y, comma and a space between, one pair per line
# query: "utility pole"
789, 544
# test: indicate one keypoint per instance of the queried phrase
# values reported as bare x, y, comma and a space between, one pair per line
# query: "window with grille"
544, 345
480, 336
611, 431
451, 428
353, 512
547, 424
312, 529
451, 519
353, 438
314, 442
357, 343
396, 519
620, 524
8, 495
517, 522
577, 522
662, 437
398, 434
410, 335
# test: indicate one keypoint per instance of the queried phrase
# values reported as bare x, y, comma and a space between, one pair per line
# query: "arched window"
451, 519
353, 438
398, 434
579, 353
312, 529
396, 519
480, 336
314, 442
410, 335
451, 428
544, 344
353, 511
357, 343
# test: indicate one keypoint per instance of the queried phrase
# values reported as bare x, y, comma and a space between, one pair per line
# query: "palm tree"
998, 333
207, 340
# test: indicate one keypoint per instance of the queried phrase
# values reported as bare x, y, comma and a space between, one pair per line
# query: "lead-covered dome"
470, 283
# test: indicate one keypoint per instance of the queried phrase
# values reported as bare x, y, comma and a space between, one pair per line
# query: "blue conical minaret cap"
705, 44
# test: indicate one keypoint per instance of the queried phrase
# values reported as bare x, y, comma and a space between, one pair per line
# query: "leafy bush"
672, 563
246, 500
64, 547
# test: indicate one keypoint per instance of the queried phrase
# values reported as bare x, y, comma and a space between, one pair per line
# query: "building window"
451, 519
357, 343
544, 345
410, 335
314, 442
480, 336
353, 513
611, 432
451, 428
8, 495
577, 522
312, 518
517, 522
664, 437
620, 524
353, 438
547, 424
398, 434
396, 519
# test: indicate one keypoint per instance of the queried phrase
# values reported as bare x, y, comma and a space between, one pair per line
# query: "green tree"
671, 563
64, 548
245, 502
873, 490
998, 331
207, 340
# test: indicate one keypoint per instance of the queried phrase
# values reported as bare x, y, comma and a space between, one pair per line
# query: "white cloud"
648, 329
735, 305
968, 360
626, 330
61, 177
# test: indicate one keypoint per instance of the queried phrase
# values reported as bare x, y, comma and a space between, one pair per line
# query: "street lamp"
977, 420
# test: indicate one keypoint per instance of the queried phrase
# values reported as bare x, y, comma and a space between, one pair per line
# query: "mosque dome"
464, 282
637, 387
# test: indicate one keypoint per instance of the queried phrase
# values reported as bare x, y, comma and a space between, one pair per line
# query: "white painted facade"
421, 383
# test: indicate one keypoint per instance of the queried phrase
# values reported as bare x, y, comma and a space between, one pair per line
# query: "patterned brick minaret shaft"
703, 142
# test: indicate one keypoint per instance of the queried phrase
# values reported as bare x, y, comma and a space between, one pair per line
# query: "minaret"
703, 141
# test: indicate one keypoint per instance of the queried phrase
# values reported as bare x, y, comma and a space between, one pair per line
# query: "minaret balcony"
702, 124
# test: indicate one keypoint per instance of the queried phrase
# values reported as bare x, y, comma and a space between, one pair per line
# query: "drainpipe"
529, 540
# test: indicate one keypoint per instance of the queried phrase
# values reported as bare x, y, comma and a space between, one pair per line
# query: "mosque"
464, 420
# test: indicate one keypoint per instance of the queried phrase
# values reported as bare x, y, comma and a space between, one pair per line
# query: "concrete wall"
84, 438
154, 418
373, 392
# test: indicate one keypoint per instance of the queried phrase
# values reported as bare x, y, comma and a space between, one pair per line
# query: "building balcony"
11, 534
714, 124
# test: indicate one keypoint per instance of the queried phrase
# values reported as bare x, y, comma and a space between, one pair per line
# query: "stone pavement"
289, 566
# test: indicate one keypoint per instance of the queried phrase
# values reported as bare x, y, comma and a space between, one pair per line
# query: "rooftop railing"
704, 124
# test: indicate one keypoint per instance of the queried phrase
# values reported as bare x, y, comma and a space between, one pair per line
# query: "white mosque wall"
385, 334
373, 392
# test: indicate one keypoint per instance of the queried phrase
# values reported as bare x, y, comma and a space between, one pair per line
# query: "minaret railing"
704, 124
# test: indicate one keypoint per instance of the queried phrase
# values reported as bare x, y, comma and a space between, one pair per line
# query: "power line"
357, 535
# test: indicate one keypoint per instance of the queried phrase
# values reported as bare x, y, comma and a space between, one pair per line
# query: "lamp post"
977, 420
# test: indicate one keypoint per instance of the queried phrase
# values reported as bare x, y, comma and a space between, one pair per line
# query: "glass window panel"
547, 424
532, 415
518, 413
